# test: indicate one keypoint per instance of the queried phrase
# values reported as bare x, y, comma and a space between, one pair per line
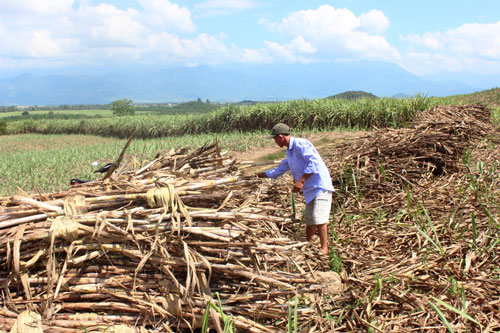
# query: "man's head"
279, 129
281, 134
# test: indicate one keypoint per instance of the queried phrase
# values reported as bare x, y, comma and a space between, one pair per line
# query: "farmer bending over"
311, 176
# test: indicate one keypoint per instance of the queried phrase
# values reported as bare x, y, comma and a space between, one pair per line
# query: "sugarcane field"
192, 240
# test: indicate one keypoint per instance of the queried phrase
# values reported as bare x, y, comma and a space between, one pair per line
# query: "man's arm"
311, 158
275, 172
299, 184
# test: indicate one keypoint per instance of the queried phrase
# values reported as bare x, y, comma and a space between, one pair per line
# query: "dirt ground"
323, 141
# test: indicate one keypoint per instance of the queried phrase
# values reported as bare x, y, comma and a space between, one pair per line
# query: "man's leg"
310, 231
323, 236
316, 217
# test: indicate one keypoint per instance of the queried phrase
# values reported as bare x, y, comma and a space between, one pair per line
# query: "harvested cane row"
417, 225
150, 246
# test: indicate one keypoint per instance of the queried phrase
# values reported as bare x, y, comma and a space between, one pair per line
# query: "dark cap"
279, 129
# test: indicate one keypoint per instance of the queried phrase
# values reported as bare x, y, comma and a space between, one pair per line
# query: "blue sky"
423, 37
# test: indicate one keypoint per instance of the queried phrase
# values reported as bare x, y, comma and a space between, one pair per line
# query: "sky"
423, 37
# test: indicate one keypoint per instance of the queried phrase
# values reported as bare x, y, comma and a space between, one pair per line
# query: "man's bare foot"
323, 251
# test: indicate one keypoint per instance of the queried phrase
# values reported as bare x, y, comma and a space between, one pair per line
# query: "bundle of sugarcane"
417, 225
391, 168
130, 250
432, 145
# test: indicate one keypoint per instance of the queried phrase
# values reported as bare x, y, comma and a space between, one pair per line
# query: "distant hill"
191, 107
246, 102
351, 95
401, 95
223, 83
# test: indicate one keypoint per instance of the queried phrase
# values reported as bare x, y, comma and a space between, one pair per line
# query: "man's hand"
299, 184
297, 187
262, 175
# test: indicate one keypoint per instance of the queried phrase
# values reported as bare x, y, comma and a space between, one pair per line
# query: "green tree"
123, 107
25, 113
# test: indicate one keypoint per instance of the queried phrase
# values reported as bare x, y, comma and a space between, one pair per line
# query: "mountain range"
148, 84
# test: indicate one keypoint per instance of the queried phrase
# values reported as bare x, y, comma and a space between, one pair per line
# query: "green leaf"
204, 322
430, 240
454, 309
442, 317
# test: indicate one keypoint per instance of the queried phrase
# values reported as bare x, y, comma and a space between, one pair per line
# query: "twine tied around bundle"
75, 205
64, 226
27, 322
168, 198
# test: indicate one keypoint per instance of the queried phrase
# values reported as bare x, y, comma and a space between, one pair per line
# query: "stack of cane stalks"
172, 244
417, 225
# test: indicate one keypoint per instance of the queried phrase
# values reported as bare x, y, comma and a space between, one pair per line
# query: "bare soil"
323, 141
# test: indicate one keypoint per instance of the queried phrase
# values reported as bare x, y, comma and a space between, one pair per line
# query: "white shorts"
318, 210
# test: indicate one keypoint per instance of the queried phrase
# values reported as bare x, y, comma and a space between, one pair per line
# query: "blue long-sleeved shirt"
302, 157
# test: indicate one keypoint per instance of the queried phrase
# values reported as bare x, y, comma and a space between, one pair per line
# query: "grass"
46, 163
436, 242
274, 156
442, 317
226, 320
292, 316
89, 112
298, 114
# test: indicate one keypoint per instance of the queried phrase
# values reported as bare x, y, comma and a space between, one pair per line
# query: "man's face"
280, 140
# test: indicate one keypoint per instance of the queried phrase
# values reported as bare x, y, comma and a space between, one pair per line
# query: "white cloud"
53, 31
427, 62
427, 40
80, 32
167, 16
230, 4
255, 56
470, 47
223, 7
300, 45
335, 34
3, 30
280, 51
42, 45
273, 52
37, 44
374, 22
40, 7
106, 26
210, 49
319, 23
62, 32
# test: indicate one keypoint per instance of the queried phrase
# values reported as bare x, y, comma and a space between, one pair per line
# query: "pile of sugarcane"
430, 146
417, 225
158, 246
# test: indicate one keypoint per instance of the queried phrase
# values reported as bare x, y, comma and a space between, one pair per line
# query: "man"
311, 176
